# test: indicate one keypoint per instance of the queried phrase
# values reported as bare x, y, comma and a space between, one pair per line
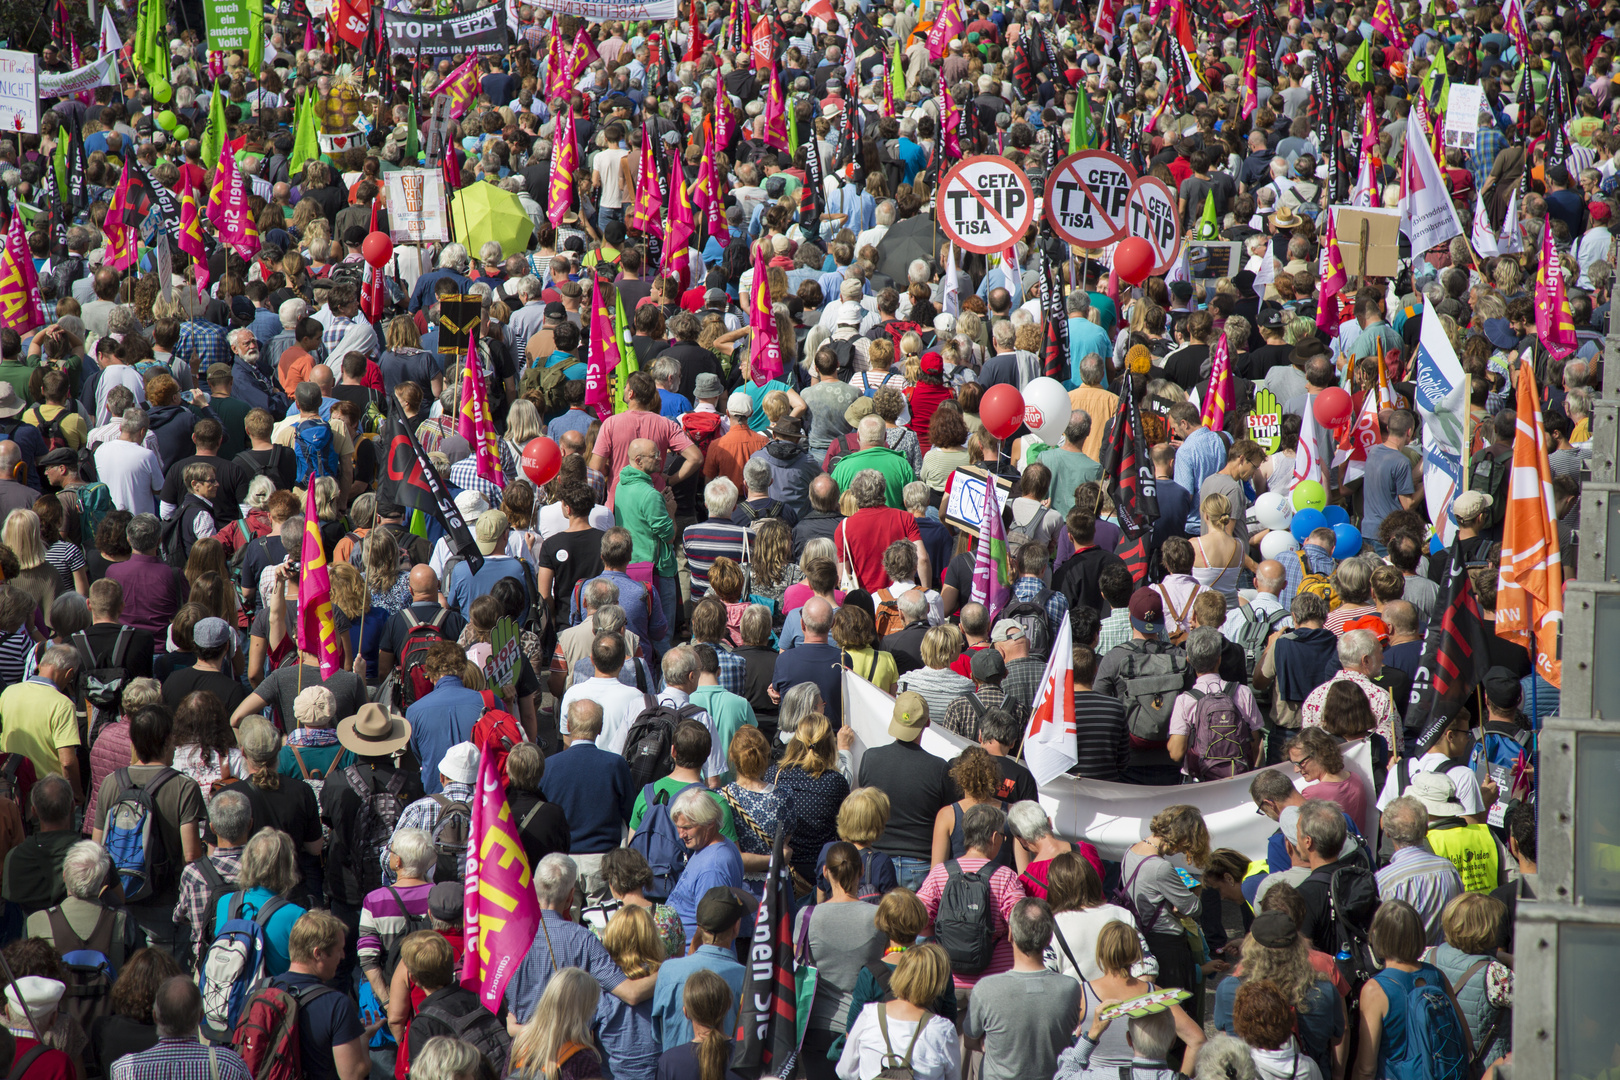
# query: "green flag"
213, 136
255, 13
306, 147
897, 73
1361, 69
60, 166
1082, 130
413, 143
629, 363
793, 128
1209, 226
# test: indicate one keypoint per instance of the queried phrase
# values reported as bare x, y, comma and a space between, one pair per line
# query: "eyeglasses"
1297, 762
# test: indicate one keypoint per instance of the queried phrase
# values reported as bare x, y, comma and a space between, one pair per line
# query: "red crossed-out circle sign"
1086, 198
984, 204
1153, 214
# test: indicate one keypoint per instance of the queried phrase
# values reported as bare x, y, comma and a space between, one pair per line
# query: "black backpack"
450, 837
104, 685
965, 924
380, 807
651, 737
1353, 898
1032, 616
477, 1027
1489, 472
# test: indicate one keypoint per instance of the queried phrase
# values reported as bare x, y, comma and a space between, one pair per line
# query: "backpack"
50, 430
413, 923
312, 442
1352, 900
496, 732
965, 925
1031, 615
104, 685
133, 838
1436, 1043
9, 788
95, 503
233, 965
380, 808
218, 889
844, 350
551, 382
1317, 584
1123, 898
1152, 680
651, 738
659, 842
267, 1037
895, 1067
887, 615
1019, 535
1220, 744
450, 837
89, 972
1489, 472
1253, 633
413, 649
865, 889
1182, 618
478, 1028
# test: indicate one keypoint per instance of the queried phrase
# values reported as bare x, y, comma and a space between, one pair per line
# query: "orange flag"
1530, 577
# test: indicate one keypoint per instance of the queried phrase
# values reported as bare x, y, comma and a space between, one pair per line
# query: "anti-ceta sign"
229, 24
1086, 197
481, 33
984, 204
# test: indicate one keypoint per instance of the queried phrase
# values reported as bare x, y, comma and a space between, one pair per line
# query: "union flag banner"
317, 627
501, 910
19, 286
462, 86
474, 422
1530, 577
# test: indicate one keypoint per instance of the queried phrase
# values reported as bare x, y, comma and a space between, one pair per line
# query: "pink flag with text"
501, 911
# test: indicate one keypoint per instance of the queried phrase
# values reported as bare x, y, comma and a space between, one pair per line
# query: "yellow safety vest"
1472, 850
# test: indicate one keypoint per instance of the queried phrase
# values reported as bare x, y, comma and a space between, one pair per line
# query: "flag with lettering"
950, 24
775, 110
766, 1041
581, 55
1356, 439
1050, 741
1530, 575
679, 228
123, 237
992, 576
500, 908
1054, 316
1513, 16
646, 209
603, 356
1251, 79
473, 421
317, 628
1387, 22
1455, 657
228, 207
1331, 273
462, 86
20, 308
564, 163
190, 240
1220, 396
1443, 407
1132, 488
1555, 325
765, 347
1108, 22
409, 479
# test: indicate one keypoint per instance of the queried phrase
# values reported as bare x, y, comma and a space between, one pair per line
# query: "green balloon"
167, 120
1309, 495
182, 132
161, 91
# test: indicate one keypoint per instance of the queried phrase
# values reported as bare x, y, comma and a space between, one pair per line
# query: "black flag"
409, 479
766, 1039
1455, 657
1133, 489
813, 193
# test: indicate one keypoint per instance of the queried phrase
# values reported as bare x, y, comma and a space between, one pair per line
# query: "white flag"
1050, 746
1427, 216
1483, 238
1438, 387
110, 41
1311, 458
1511, 242
952, 298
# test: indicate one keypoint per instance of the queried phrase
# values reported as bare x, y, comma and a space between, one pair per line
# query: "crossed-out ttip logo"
1034, 419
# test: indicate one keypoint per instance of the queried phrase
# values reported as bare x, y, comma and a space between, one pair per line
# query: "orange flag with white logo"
1530, 578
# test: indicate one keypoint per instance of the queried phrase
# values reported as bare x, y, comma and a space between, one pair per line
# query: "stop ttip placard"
984, 204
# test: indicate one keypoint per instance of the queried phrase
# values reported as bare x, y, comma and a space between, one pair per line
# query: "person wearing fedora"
1287, 381
384, 771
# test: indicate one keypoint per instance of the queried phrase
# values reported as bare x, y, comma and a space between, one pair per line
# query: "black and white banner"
482, 32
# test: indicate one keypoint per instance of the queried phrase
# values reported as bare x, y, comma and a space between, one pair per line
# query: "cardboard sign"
1086, 196
458, 315
502, 666
984, 204
19, 92
1265, 421
1383, 239
964, 506
1462, 115
1154, 215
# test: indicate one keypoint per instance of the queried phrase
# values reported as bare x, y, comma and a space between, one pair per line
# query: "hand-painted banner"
601, 10
481, 33
1111, 816
102, 72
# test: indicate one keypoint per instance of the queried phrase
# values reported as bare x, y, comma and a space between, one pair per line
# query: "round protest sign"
1154, 216
984, 204
1086, 198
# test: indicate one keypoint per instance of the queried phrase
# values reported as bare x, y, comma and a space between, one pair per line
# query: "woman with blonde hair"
1218, 551
1277, 953
1119, 952
36, 576
389, 586
1159, 894
770, 564
632, 939
855, 632
877, 374
808, 775
556, 1043
757, 806
862, 817
268, 874
935, 681
906, 1027
522, 426
1468, 959
328, 513
978, 777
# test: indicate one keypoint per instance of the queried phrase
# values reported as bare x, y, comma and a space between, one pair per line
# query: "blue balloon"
1305, 522
1336, 515
1348, 542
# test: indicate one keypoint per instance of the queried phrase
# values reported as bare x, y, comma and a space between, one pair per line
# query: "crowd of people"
208, 815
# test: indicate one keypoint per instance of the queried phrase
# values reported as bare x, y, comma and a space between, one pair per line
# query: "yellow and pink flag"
776, 133
123, 240
564, 163
1555, 324
20, 309
228, 207
462, 86
765, 347
604, 354
473, 421
647, 209
1221, 393
500, 908
317, 628
679, 228
190, 239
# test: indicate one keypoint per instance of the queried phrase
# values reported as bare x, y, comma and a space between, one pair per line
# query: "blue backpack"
1436, 1045
660, 844
233, 966
312, 443
133, 839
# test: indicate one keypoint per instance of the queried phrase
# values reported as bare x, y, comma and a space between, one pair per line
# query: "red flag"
451, 167
317, 628
1530, 576
681, 225
699, 42
1555, 325
1221, 393
123, 240
604, 356
564, 163
228, 207
19, 286
765, 348
350, 19
190, 238
1330, 271
646, 209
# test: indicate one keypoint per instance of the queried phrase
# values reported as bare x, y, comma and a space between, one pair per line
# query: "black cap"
389, 508
354, 235
719, 909
242, 310
1502, 688
556, 310
1274, 929
60, 456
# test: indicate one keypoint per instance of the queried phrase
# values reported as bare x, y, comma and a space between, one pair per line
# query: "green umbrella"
483, 212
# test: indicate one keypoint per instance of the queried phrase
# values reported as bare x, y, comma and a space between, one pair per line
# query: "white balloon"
1046, 409
1276, 542
1272, 511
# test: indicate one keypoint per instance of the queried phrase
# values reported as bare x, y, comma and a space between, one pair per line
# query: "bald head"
10, 457
424, 582
1270, 577
321, 376
817, 617
1401, 618
643, 454
573, 442
872, 432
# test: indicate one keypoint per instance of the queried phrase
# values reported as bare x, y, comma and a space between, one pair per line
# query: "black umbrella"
915, 237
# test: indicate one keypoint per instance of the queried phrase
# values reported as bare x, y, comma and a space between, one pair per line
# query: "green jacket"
639, 507
892, 464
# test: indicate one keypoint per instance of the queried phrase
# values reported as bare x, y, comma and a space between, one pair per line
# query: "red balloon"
541, 460
1133, 259
1002, 409
1332, 407
377, 249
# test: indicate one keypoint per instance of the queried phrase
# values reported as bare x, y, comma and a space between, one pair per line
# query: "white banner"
1111, 816
1443, 405
416, 206
601, 10
102, 72
19, 92
1427, 217
1462, 115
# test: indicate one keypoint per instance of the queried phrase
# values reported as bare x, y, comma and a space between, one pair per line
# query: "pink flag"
603, 357
725, 121
949, 25
1388, 22
190, 239
317, 629
1330, 269
564, 163
952, 129
1251, 80
580, 55
678, 230
556, 75
647, 208
123, 241
1555, 324
462, 86
991, 575
19, 286
776, 133
500, 908
473, 422
228, 206
765, 348
1221, 394
1369, 129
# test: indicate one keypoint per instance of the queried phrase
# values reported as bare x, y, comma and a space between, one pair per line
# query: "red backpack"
702, 428
413, 650
266, 1038
496, 732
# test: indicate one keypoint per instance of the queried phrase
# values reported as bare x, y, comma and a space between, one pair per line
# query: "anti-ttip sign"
482, 32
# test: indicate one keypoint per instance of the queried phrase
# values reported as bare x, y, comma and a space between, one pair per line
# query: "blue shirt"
266, 325
592, 788
912, 157
719, 864
674, 405
817, 662
573, 946
1201, 456
465, 586
1086, 337
276, 933
758, 421
670, 1024
573, 420
439, 720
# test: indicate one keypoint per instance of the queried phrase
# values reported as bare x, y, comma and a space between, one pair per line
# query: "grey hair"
529, 286
84, 869
240, 338
1323, 822
454, 257
1405, 821
1204, 647
1091, 369
260, 488
981, 825
1152, 1036
869, 488
491, 252
696, 805
269, 861
913, 605
1030, 926
1225, 1057
915, 496
230, 815
608, 619
720, 496
666, 369
680, 664
757, 475
1027, 820
600, 593
1355, 644
800, 701
415, 851
133, 421
60, 657
445, 1057
554, 879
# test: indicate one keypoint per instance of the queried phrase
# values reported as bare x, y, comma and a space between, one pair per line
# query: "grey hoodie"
792, 469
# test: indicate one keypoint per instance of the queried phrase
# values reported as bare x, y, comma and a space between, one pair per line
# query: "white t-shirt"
936, 1056
621, 705
1080, 930
117, 375
133, 475
1463, 779
553, 519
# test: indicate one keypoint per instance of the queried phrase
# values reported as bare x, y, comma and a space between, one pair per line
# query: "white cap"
40, 995
471, 504
460, 763
739, 404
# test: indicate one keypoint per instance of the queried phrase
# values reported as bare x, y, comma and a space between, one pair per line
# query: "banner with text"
19, 92
416, 206
230, 24
601, 10
103, 72
482, 32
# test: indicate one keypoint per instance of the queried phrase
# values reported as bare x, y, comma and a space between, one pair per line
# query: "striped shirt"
1005, 891
1424, 880
1102, 741
382, 922
706, 542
